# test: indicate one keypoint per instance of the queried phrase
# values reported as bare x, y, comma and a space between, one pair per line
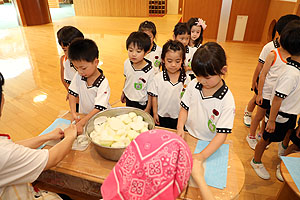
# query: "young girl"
138, 72
281, 23
154, 55
65, 36
207, 106
196, 26
169, 85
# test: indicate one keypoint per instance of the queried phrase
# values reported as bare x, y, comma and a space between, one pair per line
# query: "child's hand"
254, 85
180, 132
75, 117
71, 131
79, 127
270, 126
156, 119
67, 97
259, 99
147, 110
298, 132
56, 134
123, 99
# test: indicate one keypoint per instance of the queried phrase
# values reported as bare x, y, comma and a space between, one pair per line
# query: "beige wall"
172, 7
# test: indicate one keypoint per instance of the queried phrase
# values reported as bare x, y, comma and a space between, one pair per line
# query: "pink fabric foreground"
156, 165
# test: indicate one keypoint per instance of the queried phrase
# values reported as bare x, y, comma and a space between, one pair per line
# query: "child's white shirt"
208, 115
288, 88
189, 53
277, 68
155, 57
69, 70
267, 49
168, 94
90, 97
137, 81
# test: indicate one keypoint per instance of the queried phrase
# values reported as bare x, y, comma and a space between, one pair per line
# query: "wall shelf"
157, 8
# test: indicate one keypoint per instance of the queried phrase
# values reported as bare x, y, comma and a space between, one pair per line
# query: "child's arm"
213, 146
154, 107
85, 119
72, 103
255, 75
276, 103
266, 67
123, 98
181, 121
149, 104
62, 78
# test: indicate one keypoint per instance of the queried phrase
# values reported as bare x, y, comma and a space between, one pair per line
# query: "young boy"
207, 106
138, 72
65, 36
182, 34
285, 104
89, 83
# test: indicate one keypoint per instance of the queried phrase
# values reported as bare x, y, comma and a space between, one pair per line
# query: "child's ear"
174, 38
224, 69
96, 61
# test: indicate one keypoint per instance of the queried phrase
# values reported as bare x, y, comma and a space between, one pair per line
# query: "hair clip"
201, 22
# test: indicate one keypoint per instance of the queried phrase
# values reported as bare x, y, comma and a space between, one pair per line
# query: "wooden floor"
29, 60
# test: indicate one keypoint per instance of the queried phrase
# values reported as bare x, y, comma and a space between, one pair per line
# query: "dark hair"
282, 22
193, 22
148, 26
83, 50
67, 34
1, 84
209, 60
173, 45
181, 29
141, 39
290, 38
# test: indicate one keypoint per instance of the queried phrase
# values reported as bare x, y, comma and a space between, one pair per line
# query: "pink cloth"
156, 165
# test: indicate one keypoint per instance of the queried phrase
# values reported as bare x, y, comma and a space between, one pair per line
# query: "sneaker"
247, 118
260, 170
252, 142
278, 173
281, 149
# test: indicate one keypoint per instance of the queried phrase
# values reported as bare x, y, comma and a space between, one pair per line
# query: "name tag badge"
211, 124
156, 63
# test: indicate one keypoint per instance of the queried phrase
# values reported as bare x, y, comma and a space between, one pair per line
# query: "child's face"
173, 61
135, 54
85, 68
195, 32
184, 39
65, 48
149, 33
209, 82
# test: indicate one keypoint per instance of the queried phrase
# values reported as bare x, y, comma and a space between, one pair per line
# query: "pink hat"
156, 165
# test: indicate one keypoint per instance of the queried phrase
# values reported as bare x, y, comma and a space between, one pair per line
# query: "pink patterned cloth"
156, 165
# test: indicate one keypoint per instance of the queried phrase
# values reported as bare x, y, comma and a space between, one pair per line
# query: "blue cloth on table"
216, 165
293, 166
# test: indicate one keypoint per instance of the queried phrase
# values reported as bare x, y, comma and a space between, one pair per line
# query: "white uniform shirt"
168, 94
69, 70
208, 115
266, 50
277, 68
189, 53
19, 164
137, 81
90, 97
288, 88
155, 57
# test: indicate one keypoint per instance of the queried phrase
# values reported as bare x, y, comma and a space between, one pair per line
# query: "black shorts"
265, 104
295, 139
135, 104
280, 130
168, 122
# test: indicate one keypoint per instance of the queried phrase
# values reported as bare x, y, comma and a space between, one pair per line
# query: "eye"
139, 51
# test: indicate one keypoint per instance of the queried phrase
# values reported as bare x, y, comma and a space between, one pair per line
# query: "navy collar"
181, 78
98, 80
147, 67
293, 63
276, 43
154, 47
219, 94
72, 66
187, 50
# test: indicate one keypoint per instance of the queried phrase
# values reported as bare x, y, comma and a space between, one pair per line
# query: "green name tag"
156, 63
211, 126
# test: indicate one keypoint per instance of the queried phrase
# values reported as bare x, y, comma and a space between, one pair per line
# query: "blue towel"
216, 165
293, 166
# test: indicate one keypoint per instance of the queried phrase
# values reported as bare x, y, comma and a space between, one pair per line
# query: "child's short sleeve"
73, 89
102, 97
225, 122
285, 85
126, 65
153, 87
186, 98
265, 51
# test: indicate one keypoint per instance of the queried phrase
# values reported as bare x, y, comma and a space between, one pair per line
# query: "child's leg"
291, 149
248, 111
251, 104
259, 149
260, 113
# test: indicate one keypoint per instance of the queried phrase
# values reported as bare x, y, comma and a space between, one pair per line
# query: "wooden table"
288, 190
86, 171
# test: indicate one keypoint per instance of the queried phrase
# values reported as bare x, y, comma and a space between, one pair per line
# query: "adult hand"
71, 131
56, 134
198, 169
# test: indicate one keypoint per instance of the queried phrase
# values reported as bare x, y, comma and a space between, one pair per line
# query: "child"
181, 33
285, 105
65, 36
138, 72
274, 65
196, 27
89, 83
208, 107
262, 58
155, 51
169, 85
